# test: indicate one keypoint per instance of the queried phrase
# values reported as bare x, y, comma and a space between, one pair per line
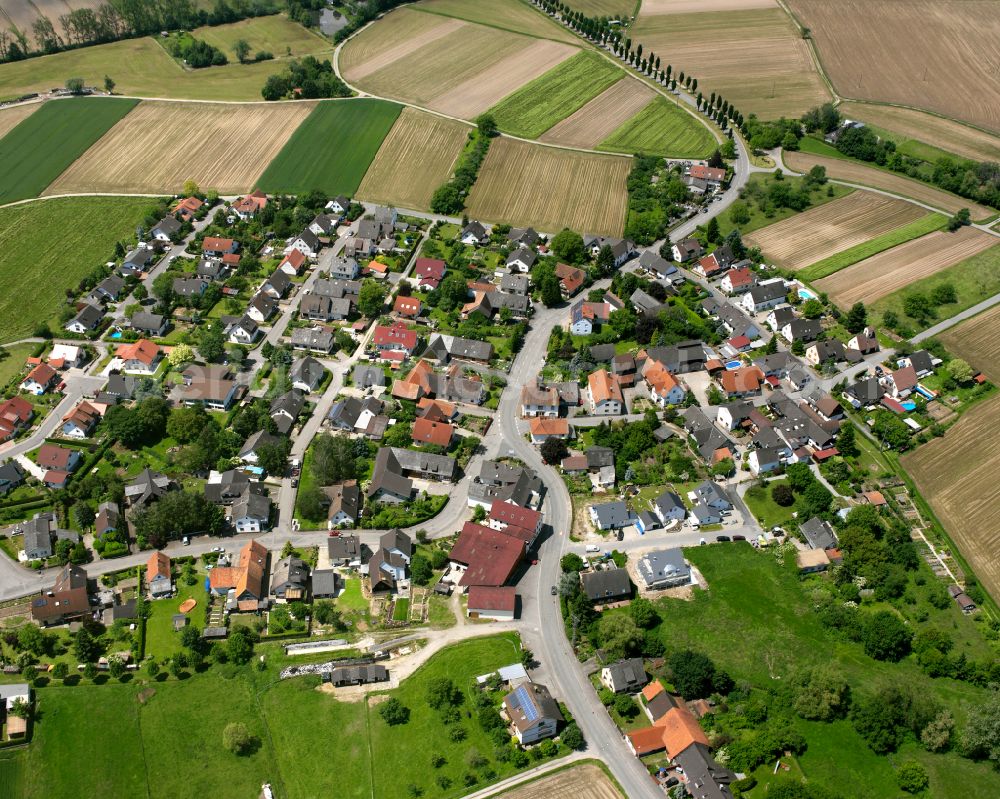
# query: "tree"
394, 712
420, 570
442, 693
891, 430
626, 707
152, 669
238, 739
487, 125
821, 694
936, 736
371, 299
551, 291
619, 635
959, 370
180, 354
553, 450
75, 85
567, 245
90, 671
333, 459
981, 738
884, 636
712, 231
30, 638
693, 673
241, 48
912, 777
961, 218
605, 260
572, 737
60, 671
22, 708
116, 668
571, 562
782, 495
212, 343
812, 309
846, 441
856, 318
644, 613
739, 213
85, 647
326, 613
311, 503
109, 84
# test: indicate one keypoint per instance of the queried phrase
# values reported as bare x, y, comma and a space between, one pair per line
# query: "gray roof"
146, 322
628, 672
768, 292
818, 533
921, 361
290, 572
711, 492
516, 284
261, 438
440, 466
169, 225
669, 501
706, 779
612, 514
442, 347
252, 505
324, 582
599, 456
387, 475
662, 564
344, 498
312, 339
364, 376
804, 329
344, 547
308, 371
606, 584
655, 263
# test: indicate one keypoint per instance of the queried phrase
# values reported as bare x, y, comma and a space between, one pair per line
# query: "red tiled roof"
426, 431
707, 172
491, 556
43, 374
603, 386
489, 597
570, 277
142, 350
158, 565
396, 335
295, 259
407, 306
52, 456
429, 267
215, 243
541, 426
504, 512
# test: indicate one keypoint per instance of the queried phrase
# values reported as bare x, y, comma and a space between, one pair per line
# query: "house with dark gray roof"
624, 676
443, 348
818, 533
312, 339
606, 585
664, 568
611, 515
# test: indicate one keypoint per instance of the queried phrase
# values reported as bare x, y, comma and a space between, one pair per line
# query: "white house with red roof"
246, 208
15, 415
523, 523
293, 263
39, 380
736, 281
396, 336
711, 175
139, 357
428, 273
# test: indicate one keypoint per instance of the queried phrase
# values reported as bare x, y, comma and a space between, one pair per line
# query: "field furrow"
12, 116
160, 145
599, 118
821, 232
416, 157
881, 275
529, 184
387, 51
978, 342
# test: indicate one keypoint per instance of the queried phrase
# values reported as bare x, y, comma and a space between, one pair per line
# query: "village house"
139, 357
87, 319
533, 713
277, 285
736, 281
571, 279
801, 330
66, 601
166, 229
59, 463
428, 273
157, 575
345, 505
81, 421
293, 263
396, 337
312, 340
246, 208
39, 380
290, 579
606, 585
765, 296
216, 247
543, 428
538, 400
242, 584
389, 564
686, 250
585, 316
15, 416
474, 234
624, 676
605, 395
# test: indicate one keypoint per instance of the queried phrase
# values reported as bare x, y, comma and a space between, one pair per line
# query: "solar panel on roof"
525, 703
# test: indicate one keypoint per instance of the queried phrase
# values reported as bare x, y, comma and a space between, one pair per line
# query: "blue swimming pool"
925, 393
910, 405
805, 294
116, 335
733, 364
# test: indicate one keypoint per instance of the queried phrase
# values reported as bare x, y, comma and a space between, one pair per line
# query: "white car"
593, 548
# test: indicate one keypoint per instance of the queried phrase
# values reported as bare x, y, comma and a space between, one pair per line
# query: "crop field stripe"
416, 157
404, 47
14, 115
152, 150
901, 235
977, 340
583, 191
661, 128
483, 90
881, 275
540, 104
599, 118
948, 64
956, 474
514, 16
333, 148
274, 33
657, 7
820, 232
42, 146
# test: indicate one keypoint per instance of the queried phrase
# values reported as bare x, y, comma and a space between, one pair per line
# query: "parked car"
593, 548
739, 538
554, 591
722, 538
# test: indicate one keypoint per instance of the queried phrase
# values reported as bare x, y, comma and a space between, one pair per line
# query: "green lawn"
161, 640
550, 98
759, 218
142, 68
975, 279
12, 362
767, 603
275, 34
661, 128
401, 610
42, 146
768, 512
834, 263
332, 149
38, 269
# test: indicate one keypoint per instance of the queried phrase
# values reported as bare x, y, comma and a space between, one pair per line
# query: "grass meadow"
550, 98
163, 738
332, 149
82, 232
42, 146
661, 128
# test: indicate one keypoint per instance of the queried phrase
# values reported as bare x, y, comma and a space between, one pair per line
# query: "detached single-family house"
59, 463
605, 394
625, 676
764, 296
88, 318
246, 208
736, 281
251, 512
663, 568
212, 386
290, 579
149, 324
158, 575
216, 247
686, 250
166, 229
606, 585
81, 421
293, 263
474, 234
533, 713
570, 279
312, 340
664, 388
39, 380
669, 507
307, 374
544, 428
611, 516
539, 401
277, 285
521, 260
345, 507
428, 273
139, 357
801, 330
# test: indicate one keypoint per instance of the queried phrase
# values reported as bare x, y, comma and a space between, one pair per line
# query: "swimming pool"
910, 405
926, 393
805, 294
733, 364
116, 335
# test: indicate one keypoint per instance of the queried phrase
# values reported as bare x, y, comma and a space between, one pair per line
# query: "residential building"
625, 676
542, 429
212, 386
485, 556
606, 585
139, 357
157, 575
290, 579
166, 229
242, 584
66, 601
533, 713
765, 296
39, 380
246, 208
397, 337
312, 340
818, 533
285, 410
15, 416
252, 511
146, 487
150, 324
571, 279
389, 565
59, 463
81, 421
669, 507
539, 401
445, 348
605, 394
345, 505
346, 550
686, 250
611, 516
663, 568
11, 477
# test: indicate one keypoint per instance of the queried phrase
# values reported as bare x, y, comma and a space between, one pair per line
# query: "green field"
83, 235
332, 149
163, 738
275, 34
751, 593
12, 362
139, 67
161, 639
975, 279
42, 146
913, 230
758, 184
508, 15
768, 512
661, 128
550, 98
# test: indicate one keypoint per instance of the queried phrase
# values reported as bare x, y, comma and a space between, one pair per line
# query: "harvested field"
928, 128
889, 271
599, 118
586, 781
152, 149
755, 58
619, 9
652, 7
484, 90
556, 95
435, 69
854, 172
977, 340
948, 64
390, 39
511, 15
662, 128
23, 13
585, 192
963, 490
416, 157
821, 232
11, 117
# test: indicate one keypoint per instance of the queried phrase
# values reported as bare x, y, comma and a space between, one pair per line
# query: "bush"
783, 495
238, 739
394, 712
912, 777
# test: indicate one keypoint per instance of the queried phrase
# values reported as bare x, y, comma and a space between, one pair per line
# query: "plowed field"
586, 781
978, 342
602, 116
